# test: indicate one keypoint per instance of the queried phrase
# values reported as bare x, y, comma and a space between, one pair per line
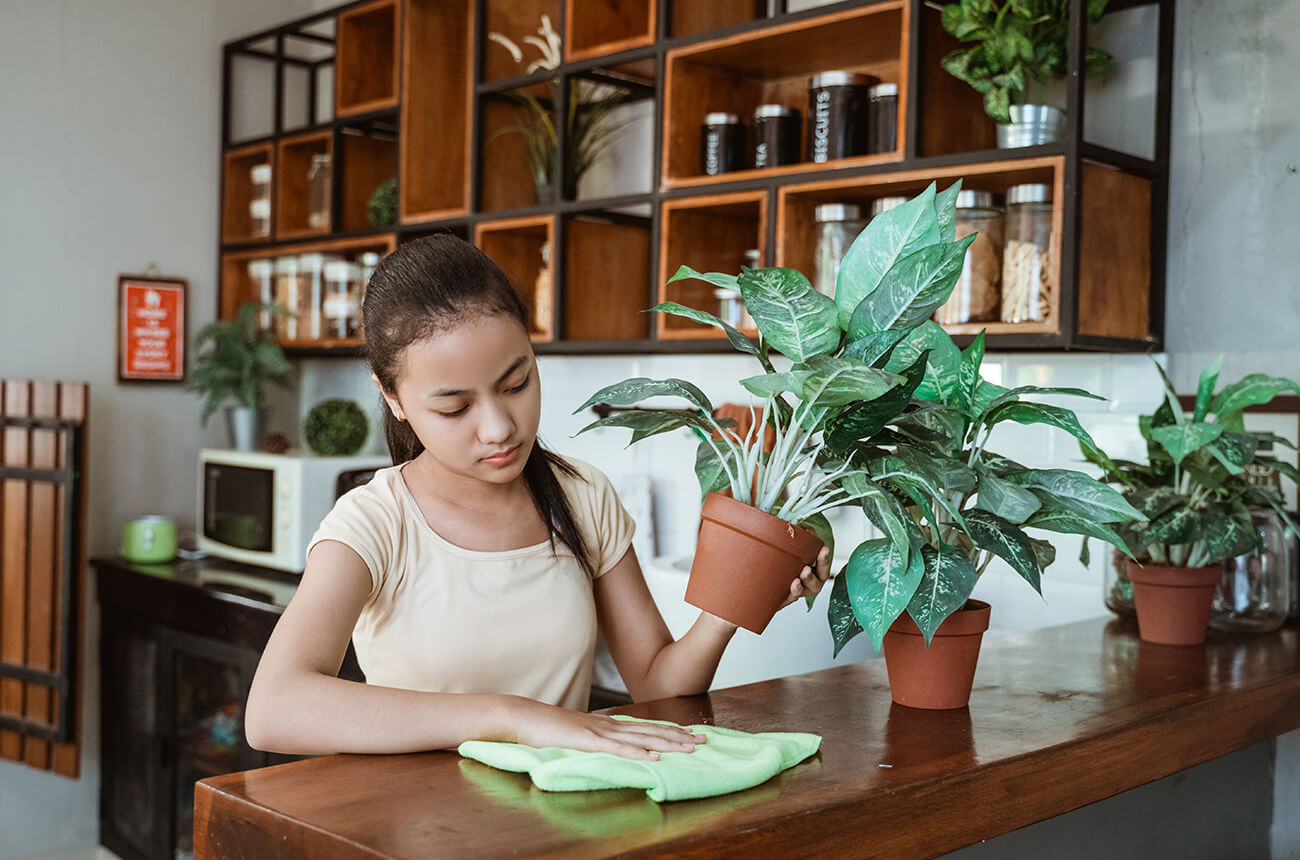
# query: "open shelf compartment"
606, 277
593, 28
366, 70
522, 248
437, 100
293, 185
773, 66
692, 17
710, 234
237, 192
368, 160
515, 20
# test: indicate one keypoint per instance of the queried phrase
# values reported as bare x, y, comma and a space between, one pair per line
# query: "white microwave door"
239, 506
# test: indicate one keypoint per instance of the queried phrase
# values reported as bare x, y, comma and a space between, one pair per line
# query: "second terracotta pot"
1173, 603
745, 562
941, 676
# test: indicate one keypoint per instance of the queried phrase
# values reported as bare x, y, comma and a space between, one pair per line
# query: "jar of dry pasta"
977, 296
1028, 275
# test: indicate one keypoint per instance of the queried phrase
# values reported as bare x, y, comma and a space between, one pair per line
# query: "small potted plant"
1195, 494
240, 359
1019, 46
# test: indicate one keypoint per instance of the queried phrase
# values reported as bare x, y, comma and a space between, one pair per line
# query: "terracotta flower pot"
941, 676
1173, 603
745, 562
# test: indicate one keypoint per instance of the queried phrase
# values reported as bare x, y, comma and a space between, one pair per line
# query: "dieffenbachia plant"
1194, 489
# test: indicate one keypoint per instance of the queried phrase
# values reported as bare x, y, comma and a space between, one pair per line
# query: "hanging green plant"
336, 428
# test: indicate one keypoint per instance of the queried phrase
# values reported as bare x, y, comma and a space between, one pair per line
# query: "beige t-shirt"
441, 618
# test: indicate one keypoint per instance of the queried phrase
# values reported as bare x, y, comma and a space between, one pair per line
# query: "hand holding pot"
810, 581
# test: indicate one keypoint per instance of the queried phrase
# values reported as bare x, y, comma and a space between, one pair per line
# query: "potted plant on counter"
1019, 46
240, 359
1195, 494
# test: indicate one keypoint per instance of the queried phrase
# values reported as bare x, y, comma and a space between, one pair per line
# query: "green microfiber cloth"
728, 761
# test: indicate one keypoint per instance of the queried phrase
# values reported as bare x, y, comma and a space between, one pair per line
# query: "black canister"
777, 130
882, 118
722, 144
837, 115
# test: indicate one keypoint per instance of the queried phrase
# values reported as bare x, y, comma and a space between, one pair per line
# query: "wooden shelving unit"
421, 93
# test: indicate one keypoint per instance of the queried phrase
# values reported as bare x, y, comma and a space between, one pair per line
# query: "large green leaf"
1228, 535
837, 381
1064, 521
718, 279
1010, 502
1041, 413
946, 584
948, 423
738, 340
912, 290
771, 384
709, 470
922, 486
993, 534
891, 236
968, 376
881, 578
1180, 440
864, 420
947, 473
874, 349
885, 512
790, 313
1044, 553
1234, 450
650, 422
942, 371
1205, 389
629, 392
1078, 492
945, 211
1015, 393
839, 614
985, 393
1253, 390
1178, 525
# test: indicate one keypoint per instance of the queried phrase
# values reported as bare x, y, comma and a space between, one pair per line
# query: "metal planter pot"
247, 427
1031, 125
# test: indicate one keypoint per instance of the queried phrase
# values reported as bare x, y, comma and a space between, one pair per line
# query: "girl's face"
471, 395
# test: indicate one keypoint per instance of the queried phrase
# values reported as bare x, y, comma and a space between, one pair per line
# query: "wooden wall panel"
74, 405
13, 561
1115, 254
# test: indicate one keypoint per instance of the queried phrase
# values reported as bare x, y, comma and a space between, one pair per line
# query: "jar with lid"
318, 192
287, 290
722, 144
837, 115
543, 309
1027, 271
836, 225
777, 131
259, 201
1254, 595
977, 295
262, 273
369, 262
311, 294
341, 309
883, 204
882, 118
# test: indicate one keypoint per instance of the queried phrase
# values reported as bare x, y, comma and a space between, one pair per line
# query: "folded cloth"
728, 761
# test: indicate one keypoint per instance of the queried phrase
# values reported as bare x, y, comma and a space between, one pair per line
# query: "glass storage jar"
259, 201
341, 309
837, 115
262, 273
1118, 593
287, 289
977, 296
369, 262
884, 204
318, 192
311, 294
882, 118
835, 225
1027, 270
1254, 595
543, 309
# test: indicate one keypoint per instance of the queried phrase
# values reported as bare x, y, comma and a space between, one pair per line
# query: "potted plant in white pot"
1020, 48
240, 359
1196, 496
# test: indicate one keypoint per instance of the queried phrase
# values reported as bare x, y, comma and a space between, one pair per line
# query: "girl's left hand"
810, 580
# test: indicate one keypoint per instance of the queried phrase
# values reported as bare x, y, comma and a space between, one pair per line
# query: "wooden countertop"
1059, 718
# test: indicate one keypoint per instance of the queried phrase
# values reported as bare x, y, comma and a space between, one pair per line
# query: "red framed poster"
150, 329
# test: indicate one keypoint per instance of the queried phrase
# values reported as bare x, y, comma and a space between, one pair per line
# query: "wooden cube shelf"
710, 234
505, 172
437, 102
516, 245
794, 220
237, 192
690, 18
515, 20
293, 187
773, 66
606, 278
366, 65
596, 27
368, 161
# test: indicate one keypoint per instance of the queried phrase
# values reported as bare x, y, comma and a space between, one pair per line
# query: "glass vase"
1254, 594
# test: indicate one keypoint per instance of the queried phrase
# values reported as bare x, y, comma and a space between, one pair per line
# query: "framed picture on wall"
150, 329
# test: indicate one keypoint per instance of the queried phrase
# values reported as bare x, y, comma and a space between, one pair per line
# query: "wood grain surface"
1059, 718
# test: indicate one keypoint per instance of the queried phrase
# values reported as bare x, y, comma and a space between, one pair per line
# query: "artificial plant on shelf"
589, 125
1195, 494
1017, 44
884, 412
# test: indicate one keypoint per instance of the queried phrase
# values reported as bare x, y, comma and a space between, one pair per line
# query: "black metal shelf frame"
769, 13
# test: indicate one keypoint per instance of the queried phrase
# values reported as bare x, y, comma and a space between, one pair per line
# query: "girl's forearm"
686, 667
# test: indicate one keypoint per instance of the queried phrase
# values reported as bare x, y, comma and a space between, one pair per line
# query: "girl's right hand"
540, 725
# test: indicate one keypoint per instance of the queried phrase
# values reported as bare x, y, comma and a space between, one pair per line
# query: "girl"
473, 574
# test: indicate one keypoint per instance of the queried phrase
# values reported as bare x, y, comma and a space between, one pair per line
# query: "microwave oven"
262, 509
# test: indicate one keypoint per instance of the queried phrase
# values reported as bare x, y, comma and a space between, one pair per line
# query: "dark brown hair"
427, 287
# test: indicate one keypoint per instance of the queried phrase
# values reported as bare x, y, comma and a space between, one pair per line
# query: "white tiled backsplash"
668, 516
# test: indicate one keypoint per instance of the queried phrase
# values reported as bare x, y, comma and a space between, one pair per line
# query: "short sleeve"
609, 527
362, 523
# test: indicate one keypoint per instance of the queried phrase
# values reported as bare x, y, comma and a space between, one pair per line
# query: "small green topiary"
336, 428
382, 210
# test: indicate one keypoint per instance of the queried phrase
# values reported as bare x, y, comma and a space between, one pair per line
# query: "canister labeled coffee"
777, 130
837, 115
722, 144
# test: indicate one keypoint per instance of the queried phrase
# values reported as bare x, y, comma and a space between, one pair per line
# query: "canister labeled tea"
777, 131
837, 115
722, 144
